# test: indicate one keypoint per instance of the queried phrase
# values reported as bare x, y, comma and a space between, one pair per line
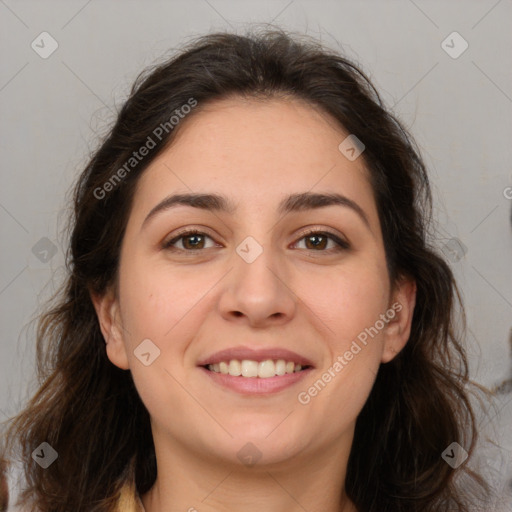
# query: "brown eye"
190, 241
318, 241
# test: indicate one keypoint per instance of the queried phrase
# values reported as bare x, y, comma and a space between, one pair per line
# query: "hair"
4, 491
89, 410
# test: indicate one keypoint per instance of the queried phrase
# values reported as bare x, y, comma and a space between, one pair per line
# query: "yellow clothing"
129, 500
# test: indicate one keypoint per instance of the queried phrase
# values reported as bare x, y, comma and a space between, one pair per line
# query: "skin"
293, 295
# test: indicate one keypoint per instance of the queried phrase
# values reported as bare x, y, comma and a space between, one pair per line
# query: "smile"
249, 368
255, 385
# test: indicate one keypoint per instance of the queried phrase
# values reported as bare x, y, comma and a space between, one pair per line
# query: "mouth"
249, 371
247, 368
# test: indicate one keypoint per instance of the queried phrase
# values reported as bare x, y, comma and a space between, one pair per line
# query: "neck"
193, 482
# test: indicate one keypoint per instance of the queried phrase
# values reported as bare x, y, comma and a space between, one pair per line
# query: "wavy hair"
89, 411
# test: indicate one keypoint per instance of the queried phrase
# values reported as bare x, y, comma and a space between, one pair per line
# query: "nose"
259, 293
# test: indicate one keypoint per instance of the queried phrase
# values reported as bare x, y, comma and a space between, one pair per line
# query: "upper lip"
258, 355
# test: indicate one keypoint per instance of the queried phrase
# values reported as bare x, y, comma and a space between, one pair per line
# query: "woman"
254, 318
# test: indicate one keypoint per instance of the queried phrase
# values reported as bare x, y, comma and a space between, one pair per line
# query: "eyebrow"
292, 203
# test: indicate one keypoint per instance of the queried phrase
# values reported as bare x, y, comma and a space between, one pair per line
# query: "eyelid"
339, 239
341, 242
189, 231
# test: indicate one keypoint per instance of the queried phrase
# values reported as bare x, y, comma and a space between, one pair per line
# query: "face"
254, 283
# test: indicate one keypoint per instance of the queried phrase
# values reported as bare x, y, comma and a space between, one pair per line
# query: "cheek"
159, 306
349, 304
162, 305
156, 299
346, 301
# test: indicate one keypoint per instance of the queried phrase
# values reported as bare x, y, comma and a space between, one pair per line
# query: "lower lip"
255, 385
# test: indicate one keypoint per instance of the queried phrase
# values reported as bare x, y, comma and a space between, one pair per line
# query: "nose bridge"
257, 287
256, 263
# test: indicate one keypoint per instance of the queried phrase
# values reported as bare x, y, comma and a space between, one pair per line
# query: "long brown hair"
4, 491
89, 411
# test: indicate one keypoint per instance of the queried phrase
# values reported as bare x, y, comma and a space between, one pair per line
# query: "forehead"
256, 152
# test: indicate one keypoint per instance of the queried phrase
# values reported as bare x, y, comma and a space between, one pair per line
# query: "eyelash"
342, 245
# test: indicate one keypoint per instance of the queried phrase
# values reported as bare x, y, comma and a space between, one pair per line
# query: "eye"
194, 240
318, 240
191, 240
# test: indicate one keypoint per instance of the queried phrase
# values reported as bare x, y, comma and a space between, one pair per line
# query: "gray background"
458, 109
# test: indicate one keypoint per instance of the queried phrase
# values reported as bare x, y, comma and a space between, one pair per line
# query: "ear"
109, 318
398, 329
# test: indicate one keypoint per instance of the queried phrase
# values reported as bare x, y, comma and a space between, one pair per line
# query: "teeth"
234, 368
280, 367
248, 368
266, 369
